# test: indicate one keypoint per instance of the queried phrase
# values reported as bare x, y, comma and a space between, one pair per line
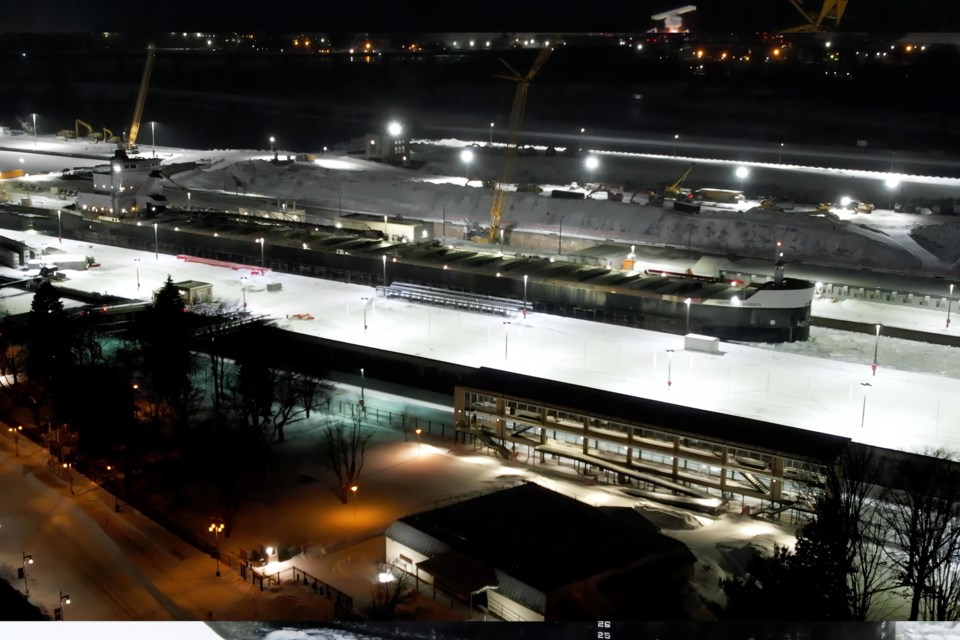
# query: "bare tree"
394, 588
921, 517
942, 600
872, 573
342, 449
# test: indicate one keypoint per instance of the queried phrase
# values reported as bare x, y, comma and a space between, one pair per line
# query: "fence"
401, 422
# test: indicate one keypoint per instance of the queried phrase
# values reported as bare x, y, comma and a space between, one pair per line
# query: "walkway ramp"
755, 482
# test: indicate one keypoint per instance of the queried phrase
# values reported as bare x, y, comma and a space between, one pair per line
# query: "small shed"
194, 291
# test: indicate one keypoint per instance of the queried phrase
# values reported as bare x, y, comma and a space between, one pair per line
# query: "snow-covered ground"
816, 385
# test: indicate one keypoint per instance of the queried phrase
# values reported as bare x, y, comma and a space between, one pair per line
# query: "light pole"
384, 259
69, 467
580, 147
876, 347
863, 413
263, 263
34, 130
467, 157
676, 137
777, 254
59, 227
949, 304
501, 241
354, 488
243, 290
364, 317
116, 488
113, 183
780, 154
16, 438
491, 134
137, 262
156, 242
272, 140
22, 572
591, 164
362, 381
524, 295
670, 368
742, 173
560, 238
892, 183
216, 528
418, 432
64, 599
506, 339
153, 137
188, 201
386, 235
688, 301
394, 129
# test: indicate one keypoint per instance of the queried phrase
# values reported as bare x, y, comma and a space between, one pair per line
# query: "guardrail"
455, 299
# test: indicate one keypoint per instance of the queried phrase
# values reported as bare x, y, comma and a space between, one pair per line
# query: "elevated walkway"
454, 299
574, 453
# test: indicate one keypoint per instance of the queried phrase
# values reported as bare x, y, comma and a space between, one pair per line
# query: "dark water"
219, 100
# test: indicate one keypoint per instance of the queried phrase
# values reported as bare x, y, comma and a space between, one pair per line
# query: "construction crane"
141, 98
513, 135
831, 11
673, 189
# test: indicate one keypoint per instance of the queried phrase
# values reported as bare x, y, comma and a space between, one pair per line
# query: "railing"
455, 299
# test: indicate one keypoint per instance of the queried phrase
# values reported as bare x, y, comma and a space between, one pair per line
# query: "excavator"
141, 99
671, 191
513, 135
611, 195
93, 135
109, 137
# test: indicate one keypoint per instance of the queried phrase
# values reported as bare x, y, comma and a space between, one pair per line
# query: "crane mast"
513, 136
141, 97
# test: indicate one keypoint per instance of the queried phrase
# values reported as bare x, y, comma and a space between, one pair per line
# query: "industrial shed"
531, 554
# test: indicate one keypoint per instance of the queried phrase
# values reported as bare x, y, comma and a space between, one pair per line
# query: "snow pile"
667, 518
928, 630
374, 188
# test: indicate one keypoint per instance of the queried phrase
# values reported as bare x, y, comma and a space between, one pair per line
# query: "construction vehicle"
141, 98
831, 11
93, 135
529, 188
513, 134
109, 137
611, 195
674, 189
66, 134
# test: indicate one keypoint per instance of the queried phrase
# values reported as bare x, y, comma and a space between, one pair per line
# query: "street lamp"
418, 432
863, 413
394, 129
876, 347
113, 183
364, 316
16, 438
384, 259
491, 134
582, 131
780, 154
670, 353
688, 301
362, 380
777, 254
243, 290
116, 488
949, 304
216, 528
272, 140
524, 295
263, 263
386, 234
64, 599
467, 157
137, 262
22, 572
506, 339
591, 164
69, 467
153, 137
59, 227
354, 488
676, 137
34, 130
891, 183
742, 173
156, 242
501, 241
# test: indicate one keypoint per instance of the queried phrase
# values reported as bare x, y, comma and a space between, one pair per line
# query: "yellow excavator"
93, 135
673, 190
831, 11
513, 135
141, 98
109, 137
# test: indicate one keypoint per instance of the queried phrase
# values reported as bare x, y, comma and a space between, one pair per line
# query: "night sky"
876, 16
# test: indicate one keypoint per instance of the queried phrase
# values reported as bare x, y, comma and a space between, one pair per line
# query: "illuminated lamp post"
16, 438
353, 489
58, 612
688, 302
22, 572
364, 315
137, 263
156, 242
742, 173
670, 353
525, 295
153, 137
591, 164
891, 183
780, 154
418, 432
676, 137
69, 467
506, 340
272, 140
384, 259
582, 131
216, 528
876, 348
949, 304
59, 227
467, 157
863, 413
491, 134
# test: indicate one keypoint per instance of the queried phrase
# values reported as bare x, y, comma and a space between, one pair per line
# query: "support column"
629, 444
776, 482
724, 458
676, 458
586, 434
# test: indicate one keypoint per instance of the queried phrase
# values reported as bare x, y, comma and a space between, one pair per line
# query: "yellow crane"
513, 135
831, 11
673, 189
141, 97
